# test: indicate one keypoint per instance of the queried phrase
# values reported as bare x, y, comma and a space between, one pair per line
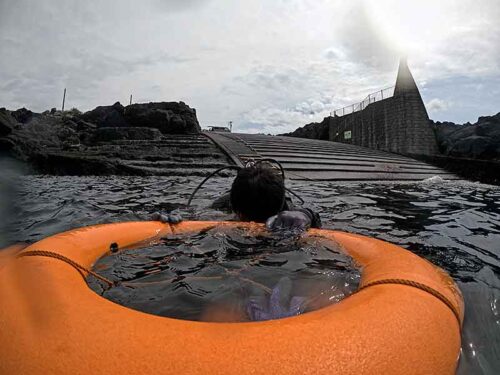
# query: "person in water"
258, 194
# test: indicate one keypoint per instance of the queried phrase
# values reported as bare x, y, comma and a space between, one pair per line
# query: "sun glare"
409, 26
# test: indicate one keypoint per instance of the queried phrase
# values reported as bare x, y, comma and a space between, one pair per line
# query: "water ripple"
456, 225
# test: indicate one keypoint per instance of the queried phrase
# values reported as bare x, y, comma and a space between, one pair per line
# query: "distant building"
219, 129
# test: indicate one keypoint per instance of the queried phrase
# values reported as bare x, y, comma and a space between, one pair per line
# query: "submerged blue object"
278, 305
166, 218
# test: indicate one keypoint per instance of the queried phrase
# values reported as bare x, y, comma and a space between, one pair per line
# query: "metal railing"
371, 98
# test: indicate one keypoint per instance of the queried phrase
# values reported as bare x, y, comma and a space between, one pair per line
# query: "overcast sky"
267, 65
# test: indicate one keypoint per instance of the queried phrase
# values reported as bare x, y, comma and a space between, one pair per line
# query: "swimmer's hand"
289, 220
167, 218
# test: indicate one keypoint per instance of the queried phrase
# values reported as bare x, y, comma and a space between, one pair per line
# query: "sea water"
455, 225
229, 274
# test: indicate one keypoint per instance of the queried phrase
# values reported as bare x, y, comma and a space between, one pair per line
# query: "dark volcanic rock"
115, 134
7, 122
477, 141
168, 117
142, 139
6, 144
111, 115
39, 133
22, 115
102, 116
85, 130
315, 130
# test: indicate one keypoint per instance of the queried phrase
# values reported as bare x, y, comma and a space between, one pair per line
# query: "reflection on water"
229, 274
10, 170
456, 225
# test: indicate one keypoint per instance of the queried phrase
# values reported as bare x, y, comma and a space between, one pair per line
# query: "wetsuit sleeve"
314, 216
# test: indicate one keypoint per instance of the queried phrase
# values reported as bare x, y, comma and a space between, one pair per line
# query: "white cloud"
438, 105
264, 65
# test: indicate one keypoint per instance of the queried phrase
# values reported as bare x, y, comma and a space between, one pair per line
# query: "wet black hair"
253, 168
258, 192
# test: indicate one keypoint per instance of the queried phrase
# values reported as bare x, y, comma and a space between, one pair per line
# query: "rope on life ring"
79, 267
416, 284
110, 283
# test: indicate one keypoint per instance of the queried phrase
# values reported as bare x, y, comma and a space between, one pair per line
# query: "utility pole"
130, 99
64, 99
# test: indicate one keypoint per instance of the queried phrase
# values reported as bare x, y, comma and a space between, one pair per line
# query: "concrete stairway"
174, 155
308, 159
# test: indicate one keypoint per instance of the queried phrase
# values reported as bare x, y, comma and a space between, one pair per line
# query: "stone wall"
398, 124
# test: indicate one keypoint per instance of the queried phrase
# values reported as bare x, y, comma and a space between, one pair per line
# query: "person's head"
258, 192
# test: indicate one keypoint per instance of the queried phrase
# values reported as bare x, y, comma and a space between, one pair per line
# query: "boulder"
177, 125
41, 132
314, 130
475, 147
68, 135
168, 117
478, 141
106, 116
139, 115
22, 115
85, 130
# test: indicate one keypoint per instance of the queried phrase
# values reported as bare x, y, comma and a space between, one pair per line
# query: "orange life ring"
51, 322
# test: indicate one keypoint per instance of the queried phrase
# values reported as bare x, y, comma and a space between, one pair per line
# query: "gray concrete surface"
309, 159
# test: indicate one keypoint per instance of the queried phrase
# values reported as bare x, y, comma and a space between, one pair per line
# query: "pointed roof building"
398, 123
412, 130
405, 83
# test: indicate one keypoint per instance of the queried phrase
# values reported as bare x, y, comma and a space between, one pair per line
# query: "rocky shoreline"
140, 139
165, 139
480, 141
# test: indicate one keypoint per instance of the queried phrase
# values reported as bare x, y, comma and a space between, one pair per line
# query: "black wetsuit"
224, 203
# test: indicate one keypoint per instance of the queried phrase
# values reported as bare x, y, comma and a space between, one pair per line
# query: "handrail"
371, 98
